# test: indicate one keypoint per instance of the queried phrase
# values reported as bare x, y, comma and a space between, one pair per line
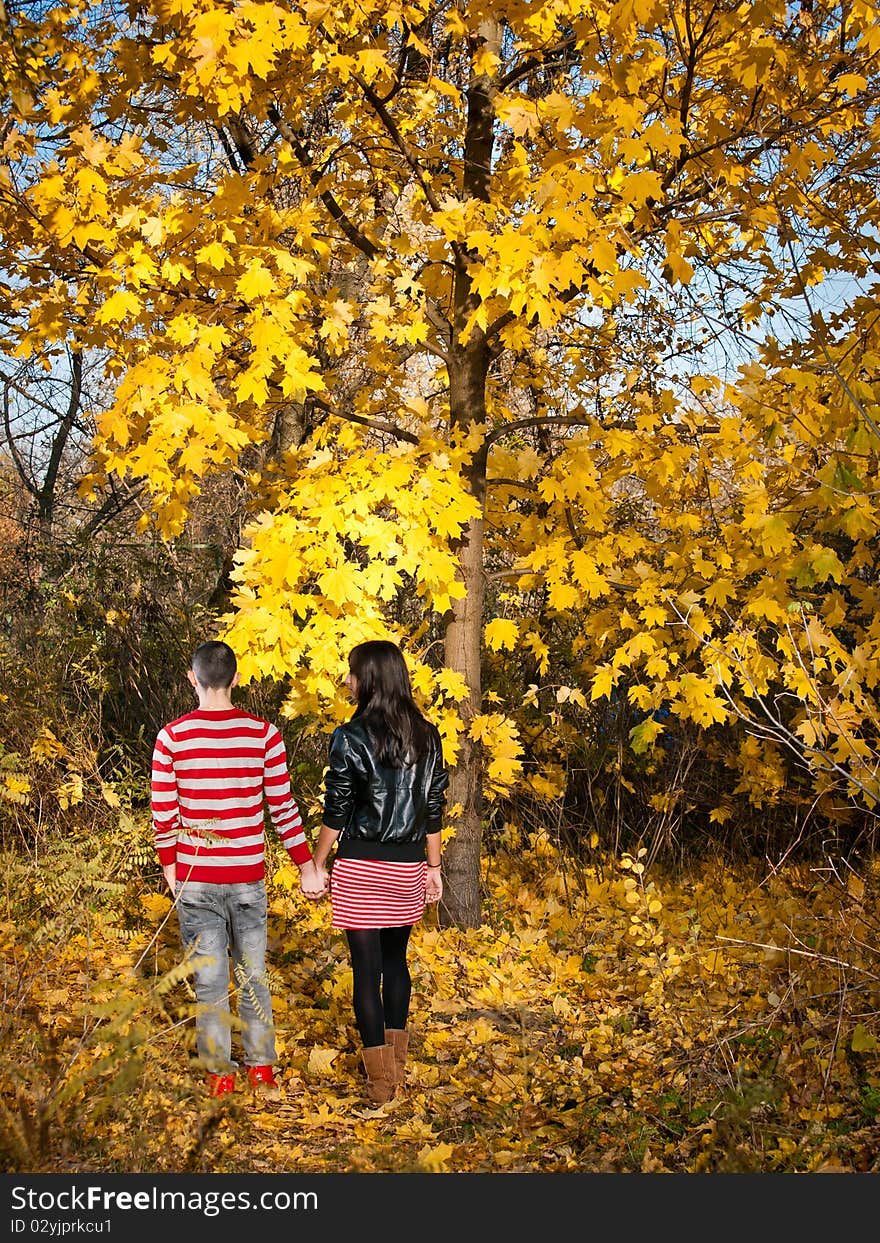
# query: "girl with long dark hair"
384, 796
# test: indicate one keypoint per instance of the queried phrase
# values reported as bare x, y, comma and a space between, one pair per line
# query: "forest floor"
599, 1020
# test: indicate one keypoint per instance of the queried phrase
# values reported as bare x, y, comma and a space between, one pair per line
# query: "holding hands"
314, 881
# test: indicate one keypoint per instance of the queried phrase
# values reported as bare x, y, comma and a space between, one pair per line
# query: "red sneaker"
263, 1082
220, 1085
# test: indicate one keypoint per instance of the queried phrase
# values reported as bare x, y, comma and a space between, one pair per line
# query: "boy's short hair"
214, 665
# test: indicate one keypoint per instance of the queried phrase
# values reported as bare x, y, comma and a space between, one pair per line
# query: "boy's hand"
169, 871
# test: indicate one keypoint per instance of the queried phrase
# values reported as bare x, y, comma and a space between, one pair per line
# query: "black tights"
382, 983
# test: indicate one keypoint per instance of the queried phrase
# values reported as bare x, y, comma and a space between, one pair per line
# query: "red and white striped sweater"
212, 770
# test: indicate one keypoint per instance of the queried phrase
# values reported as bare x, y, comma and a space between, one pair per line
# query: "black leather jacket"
383, 813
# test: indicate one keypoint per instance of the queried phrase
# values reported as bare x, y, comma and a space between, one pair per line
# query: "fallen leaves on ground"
597, 1021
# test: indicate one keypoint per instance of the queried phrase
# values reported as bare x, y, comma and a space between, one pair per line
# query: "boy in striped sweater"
213, 772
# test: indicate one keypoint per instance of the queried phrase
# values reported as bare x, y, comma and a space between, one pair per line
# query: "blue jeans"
216, 920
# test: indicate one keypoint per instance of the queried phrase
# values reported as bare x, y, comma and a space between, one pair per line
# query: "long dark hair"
385, 704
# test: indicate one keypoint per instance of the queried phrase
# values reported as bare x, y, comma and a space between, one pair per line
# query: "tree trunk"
468, 371
461, 904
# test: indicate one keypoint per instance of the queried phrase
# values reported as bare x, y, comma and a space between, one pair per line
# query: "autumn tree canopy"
448, 286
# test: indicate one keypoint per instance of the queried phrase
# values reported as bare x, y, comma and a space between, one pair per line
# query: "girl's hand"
433, 886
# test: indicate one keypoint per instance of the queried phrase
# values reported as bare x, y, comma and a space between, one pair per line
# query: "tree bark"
461, 905
468, 371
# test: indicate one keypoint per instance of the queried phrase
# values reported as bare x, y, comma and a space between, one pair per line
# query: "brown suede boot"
399, 1041
379, 1064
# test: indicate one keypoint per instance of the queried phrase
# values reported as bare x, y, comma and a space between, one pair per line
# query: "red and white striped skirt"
369, 893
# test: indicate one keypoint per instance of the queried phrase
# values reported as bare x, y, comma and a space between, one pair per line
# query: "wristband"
434, 867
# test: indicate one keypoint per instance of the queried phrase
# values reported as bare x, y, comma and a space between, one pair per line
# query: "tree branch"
17, 459
405, 150
399, 433
564, 420
46, 493
351, 231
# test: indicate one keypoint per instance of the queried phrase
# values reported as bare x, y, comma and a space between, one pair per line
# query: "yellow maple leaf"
340, 583
337, 321
252, 385
321, 1060
603, 683
699, 700
452, 684
519, 113
588, 575
214, 254
256, 281
118, 306
500, 633
435, 1160
643, 735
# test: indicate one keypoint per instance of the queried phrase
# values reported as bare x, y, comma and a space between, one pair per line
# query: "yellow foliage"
155, 906
369, 325
500, 740
501, 633
435, 1160
70, 791
321, 1060
46, 745
557, 999
16, 788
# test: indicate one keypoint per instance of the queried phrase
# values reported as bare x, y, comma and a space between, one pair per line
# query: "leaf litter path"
615, 1024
